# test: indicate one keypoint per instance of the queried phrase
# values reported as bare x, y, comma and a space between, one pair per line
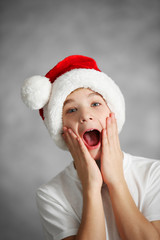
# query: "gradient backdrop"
124, 38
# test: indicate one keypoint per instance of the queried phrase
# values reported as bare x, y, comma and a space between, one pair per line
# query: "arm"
130, 222
93, 222
92, 225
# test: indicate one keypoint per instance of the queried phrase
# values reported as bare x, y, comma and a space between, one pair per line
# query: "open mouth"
92, 137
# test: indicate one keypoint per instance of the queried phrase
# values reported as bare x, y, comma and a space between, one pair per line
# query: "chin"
96, 154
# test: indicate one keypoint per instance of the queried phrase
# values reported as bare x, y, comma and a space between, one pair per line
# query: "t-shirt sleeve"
58, 221
151, 207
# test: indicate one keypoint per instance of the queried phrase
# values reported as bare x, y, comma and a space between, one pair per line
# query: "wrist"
117, 185
91, 193
92, 199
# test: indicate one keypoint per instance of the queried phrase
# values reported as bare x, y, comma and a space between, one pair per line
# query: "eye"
95, 104
71, 110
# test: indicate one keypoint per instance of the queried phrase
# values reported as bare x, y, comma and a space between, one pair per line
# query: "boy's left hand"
112, 156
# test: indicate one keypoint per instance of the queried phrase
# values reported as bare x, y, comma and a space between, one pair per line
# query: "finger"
68, 138
77, 147
83, 149
112, 132
73, 145
104, 140
77, 142
64, 133
109, 130
113, 120
104, 137
115, 129
72, 134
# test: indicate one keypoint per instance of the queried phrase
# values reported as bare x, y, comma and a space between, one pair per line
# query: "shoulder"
56, 204
59, 186
142, 168
141, 162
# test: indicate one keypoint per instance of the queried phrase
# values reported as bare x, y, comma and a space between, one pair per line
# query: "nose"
85, 117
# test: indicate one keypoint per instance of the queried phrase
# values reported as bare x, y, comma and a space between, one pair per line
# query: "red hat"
68, 64
49, 93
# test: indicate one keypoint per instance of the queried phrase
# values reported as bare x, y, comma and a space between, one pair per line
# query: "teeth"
92, 130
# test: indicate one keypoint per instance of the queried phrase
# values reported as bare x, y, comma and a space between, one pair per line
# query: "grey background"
123, 37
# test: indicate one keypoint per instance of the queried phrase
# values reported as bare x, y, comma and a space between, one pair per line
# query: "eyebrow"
89, 95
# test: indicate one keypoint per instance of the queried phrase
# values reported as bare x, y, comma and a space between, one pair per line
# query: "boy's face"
85, 112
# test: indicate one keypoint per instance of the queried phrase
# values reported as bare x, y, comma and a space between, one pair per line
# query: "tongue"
91, 138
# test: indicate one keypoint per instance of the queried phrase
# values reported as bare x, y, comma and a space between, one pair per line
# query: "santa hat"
49, 93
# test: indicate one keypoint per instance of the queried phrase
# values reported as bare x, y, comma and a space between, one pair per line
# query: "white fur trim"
36, 91
74, 79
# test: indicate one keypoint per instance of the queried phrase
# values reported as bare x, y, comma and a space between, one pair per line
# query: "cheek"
66, 120
69, 123
104, 115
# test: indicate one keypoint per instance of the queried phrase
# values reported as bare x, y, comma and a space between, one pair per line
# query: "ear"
35, 92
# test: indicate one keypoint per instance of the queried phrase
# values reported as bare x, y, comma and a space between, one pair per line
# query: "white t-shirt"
60, 201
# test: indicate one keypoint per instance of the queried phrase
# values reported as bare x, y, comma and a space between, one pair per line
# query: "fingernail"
109, 120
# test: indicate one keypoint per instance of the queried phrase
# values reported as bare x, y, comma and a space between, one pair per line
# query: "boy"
104, 193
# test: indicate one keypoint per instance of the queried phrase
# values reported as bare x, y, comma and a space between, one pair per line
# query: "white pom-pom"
36, 91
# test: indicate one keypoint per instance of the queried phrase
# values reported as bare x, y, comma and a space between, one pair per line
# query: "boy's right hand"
86, 166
